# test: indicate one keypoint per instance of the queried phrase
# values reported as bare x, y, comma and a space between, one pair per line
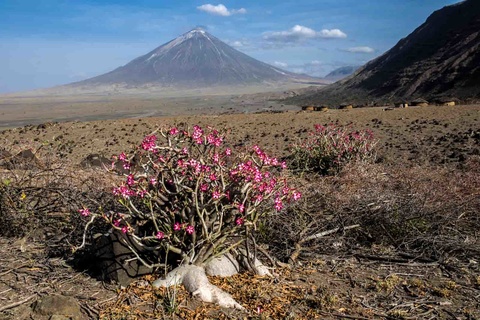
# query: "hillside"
439, 58
341, 73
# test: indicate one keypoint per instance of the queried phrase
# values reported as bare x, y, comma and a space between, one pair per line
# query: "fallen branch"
328, 232
397, 261
16, 304
298, 245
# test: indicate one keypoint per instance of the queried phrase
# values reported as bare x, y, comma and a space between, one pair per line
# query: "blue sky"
51, 42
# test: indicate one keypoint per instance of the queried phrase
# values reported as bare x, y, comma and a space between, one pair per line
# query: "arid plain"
334, 278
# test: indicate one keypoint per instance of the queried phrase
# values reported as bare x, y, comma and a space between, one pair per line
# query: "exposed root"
195, 281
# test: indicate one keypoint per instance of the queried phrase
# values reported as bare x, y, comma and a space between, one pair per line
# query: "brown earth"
420, 134
321, 285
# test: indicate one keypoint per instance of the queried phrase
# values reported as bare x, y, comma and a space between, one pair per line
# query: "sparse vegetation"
329, 148
403, 237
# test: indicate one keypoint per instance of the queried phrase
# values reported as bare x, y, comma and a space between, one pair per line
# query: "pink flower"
204, 187
216, 194
125, 229
228, 152
122, 156
190, 229
213, 177
130, 180
84, 212
258, 176
296, 195
123, 191
116, 223
160, 235
278, 204
181, 163
153, 181
241, 207
149, 143
141, 193
177, 226
184, 150
197, 134
239, 221
174, 131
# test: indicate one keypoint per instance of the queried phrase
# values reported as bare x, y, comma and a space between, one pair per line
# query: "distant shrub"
187, 193
328, 148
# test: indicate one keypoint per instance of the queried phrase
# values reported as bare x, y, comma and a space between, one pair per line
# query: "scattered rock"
24, 160
58, 307
96, 160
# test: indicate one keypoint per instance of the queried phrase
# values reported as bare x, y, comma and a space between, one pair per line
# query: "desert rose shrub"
189, 194
328, 148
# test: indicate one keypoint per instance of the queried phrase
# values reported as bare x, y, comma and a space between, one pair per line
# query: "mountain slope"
441, 57
341, 73
194, 59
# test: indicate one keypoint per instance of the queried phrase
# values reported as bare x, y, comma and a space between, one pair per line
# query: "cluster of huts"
424, 103
325, 108
399, 104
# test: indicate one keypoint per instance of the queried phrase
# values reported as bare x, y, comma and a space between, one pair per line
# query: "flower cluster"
189, 192
328, 148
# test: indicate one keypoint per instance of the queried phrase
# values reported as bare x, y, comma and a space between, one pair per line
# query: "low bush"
188, 194
329, 148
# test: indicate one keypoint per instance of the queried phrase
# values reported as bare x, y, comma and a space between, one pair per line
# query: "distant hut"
346, 106
401, 104
420, 102
321, 108
308, 108
447, 101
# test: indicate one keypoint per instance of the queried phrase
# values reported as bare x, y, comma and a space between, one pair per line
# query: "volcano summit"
195, 59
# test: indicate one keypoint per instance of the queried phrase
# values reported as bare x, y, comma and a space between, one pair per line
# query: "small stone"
58, 305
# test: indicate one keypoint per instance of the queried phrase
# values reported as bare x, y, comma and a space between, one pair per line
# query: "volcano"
195, 59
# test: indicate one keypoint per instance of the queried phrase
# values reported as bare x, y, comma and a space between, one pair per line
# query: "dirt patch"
412, 135
27, 275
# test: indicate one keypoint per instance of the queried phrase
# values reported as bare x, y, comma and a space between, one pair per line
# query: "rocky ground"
412, 135
322, 284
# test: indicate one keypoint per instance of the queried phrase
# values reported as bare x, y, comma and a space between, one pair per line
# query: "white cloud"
239, 11
361, 50
220, 10
237, 44
300, 33
314, 68
333, 33
280, 64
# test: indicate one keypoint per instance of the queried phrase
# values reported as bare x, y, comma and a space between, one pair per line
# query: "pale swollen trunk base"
195, 280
